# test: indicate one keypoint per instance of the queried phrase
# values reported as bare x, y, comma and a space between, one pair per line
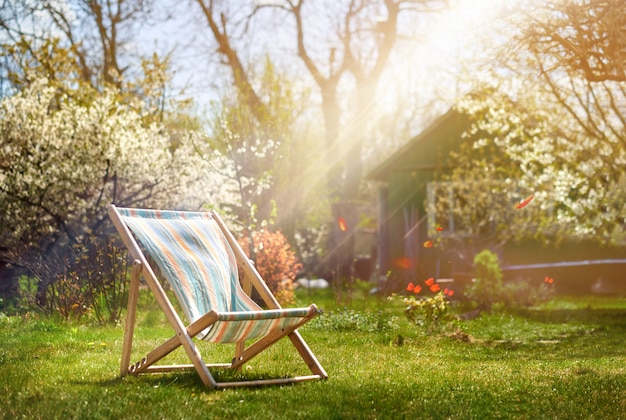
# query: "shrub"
432, 312
103, 266
275, 261
525, 293
487, 287
68, 297
95, 280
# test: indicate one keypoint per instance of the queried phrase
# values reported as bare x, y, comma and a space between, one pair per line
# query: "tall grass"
566, 359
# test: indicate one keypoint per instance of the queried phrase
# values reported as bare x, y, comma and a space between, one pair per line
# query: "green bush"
525, 293
487, 288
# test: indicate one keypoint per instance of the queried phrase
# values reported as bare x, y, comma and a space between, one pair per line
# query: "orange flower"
435, 288
403, 262
448, 292
549, 280
410, 287
429, 282
417, 289
439, 228
524, 202
343, 226
428, 244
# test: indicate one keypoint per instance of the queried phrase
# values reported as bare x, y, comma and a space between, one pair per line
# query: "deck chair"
202, 262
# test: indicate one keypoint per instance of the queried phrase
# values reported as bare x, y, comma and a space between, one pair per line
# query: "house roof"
428, 150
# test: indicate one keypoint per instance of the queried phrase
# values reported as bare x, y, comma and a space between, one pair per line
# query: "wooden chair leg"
263, 344
131, 314
173, 343
307, 354
239, 349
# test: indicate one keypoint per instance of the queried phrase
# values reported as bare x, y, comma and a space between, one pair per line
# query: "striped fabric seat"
195, 258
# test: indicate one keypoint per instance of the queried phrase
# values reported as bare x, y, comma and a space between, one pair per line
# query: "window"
469, 209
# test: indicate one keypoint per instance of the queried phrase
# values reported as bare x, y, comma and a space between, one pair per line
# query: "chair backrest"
193, 255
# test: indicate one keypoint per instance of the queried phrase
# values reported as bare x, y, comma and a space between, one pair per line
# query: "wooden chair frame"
184, 334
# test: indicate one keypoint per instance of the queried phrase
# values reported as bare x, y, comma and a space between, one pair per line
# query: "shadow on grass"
551, 334
183, 379
614, 318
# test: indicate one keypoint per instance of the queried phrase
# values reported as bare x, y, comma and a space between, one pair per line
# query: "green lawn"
566, 359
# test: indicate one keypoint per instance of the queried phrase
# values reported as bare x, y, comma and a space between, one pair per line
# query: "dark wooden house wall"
403, 180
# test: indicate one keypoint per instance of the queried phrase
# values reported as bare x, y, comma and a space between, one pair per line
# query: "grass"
566, 359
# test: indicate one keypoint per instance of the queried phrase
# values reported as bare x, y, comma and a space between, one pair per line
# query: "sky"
430, 70
457, 41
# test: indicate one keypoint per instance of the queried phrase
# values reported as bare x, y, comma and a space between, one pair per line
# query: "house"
405, 228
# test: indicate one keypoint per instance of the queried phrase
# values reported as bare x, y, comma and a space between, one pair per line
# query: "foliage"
69, 160
352, 320
555, 122
274, 260
431, 309
44, 59
92, 281
102, 267
583, 38
526, 294
480, 211
345, 64
489, 290
100, 35
258, 159
64, 159
487, 287
431, 312
258, 155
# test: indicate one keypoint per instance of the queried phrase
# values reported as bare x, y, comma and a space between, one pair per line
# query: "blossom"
429, 282
76, 156
448, 292
435, 288
415, 288
343, 226
403, 262
548, 280
428, 244
524, 202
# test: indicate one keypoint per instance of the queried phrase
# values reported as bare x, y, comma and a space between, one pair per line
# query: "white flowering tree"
63, 161
266, 160
552, 126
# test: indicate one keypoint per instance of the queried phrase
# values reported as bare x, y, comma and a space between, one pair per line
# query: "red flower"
429, 282
435, 288
448, 292
414, 288
439, 228
403, 262
524, 202
343, 226
428, 244
549, 280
